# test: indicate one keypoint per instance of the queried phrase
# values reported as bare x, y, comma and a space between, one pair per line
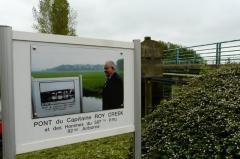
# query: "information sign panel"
59, 90
58, 107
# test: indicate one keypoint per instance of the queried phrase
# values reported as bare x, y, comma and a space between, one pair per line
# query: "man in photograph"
112, 94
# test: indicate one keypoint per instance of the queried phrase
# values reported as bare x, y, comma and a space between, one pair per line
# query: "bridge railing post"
177, 56
218, 53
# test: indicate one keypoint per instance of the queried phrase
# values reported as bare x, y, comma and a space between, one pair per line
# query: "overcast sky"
42, 58
186, 22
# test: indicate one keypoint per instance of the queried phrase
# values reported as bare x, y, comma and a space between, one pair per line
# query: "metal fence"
213, 53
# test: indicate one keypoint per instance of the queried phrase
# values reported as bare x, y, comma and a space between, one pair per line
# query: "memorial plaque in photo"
56, 96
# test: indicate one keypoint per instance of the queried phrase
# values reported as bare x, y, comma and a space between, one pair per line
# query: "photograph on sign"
56, 96
75, 82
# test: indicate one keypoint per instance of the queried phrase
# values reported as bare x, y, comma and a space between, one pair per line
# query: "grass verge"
115, 147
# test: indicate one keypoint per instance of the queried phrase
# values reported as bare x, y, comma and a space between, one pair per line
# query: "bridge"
165, 66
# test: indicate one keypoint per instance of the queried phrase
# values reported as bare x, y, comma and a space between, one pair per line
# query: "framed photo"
56, 96
100, 77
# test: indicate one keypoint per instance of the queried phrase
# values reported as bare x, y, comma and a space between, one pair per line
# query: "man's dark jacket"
112, 94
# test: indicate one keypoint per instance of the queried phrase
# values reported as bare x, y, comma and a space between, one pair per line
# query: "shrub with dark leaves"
202, 121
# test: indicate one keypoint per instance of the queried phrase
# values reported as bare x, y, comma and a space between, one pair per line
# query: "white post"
7, 93
137, 98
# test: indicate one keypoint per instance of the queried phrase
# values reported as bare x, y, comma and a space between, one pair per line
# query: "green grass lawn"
92, 81
116, 147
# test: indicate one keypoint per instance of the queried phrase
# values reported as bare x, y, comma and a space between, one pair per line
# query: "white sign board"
67, 90
54, 128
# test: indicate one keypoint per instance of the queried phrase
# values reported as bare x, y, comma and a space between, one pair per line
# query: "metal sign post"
7, 92
137, 98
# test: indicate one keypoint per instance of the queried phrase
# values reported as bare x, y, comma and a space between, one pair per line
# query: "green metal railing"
213, 53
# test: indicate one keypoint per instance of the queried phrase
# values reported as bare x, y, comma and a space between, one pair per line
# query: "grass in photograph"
117, 147
92, 81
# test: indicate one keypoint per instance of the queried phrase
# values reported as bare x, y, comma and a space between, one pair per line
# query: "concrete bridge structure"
166, 66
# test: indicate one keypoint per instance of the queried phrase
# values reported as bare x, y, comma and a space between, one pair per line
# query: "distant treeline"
83, 67
76, 67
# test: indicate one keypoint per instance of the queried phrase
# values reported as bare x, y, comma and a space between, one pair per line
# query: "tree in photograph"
120, 65
56, 17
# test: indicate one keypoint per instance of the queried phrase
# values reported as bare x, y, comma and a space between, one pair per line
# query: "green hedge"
202, 121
